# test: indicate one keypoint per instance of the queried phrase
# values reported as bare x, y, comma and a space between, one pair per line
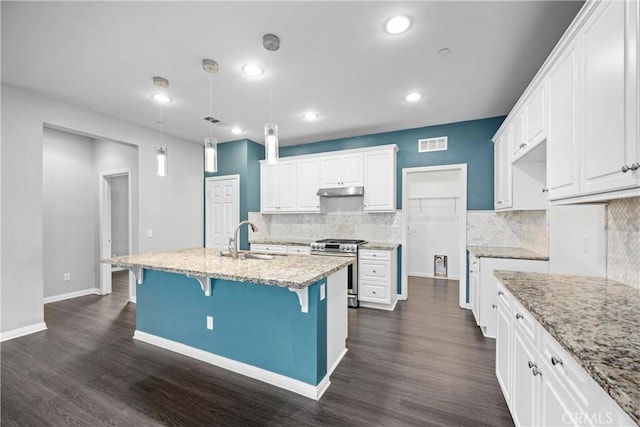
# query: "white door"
222, 210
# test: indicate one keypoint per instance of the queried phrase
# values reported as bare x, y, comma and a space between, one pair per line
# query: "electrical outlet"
396, 224
323, 291
67, 277
150, 232
210, 322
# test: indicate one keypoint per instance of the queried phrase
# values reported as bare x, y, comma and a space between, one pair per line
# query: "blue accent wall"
259, 325
242, 157
468, 142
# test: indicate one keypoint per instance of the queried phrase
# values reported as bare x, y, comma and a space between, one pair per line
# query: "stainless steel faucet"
234, 240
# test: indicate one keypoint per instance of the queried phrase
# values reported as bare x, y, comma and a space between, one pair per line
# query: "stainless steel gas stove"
342, 247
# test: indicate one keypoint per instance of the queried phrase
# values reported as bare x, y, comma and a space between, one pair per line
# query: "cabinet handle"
635, 166
500, 293
374, 292
518, 317
556, 361
494, 306
523, 145
374, 271
532, 364
535, 371
625, 169
545, 190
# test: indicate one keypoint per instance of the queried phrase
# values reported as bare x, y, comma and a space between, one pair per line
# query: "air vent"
432, 144
211, 119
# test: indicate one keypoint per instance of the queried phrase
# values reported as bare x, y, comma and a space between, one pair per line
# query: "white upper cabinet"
380, 180
607, 148
341, 170
562, 140
292, 184
308, 182
502, 170
518, 143
535, 109
278, 187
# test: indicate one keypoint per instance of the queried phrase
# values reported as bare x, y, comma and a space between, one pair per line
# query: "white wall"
172, 206
68, 197
120, 215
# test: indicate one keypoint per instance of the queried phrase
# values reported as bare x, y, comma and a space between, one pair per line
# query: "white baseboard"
336, 363
278, 380
132, 299
379, 306
76, 294
20, 332
432, 276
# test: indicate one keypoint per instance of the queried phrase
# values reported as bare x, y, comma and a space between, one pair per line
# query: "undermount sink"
248, 255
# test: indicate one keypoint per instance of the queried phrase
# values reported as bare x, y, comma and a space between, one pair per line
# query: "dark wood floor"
423, 364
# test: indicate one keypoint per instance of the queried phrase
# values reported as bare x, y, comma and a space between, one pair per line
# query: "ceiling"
335, 58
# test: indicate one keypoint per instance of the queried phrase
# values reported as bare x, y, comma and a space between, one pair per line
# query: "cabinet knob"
518, 317
556, 361
532, 364
635, 166
500, 293
545, 190
374, 271
535, 371
523, 145
374, 292
494, 306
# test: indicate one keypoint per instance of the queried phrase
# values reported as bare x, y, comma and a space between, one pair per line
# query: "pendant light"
162, 165
161, 152
271, 43
210, 143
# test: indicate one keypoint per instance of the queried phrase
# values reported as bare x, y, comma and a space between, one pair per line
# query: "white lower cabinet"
482, 286
377, 279
298, 250
542, 383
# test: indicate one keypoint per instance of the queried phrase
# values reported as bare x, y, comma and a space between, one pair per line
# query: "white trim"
339, 152
336, 363
115, 269
380, 306
462, 167
133, 300
20, 332
207, 180
426, 276
76, 294
278, 380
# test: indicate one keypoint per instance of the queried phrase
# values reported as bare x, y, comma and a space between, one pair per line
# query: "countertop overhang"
505, 252
291, 271
595, 319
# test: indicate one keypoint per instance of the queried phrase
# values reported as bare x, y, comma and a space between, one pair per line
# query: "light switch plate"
210, 322
323, 291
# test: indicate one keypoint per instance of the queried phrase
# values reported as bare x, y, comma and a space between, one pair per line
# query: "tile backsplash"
623, 241
526, 229
381, 227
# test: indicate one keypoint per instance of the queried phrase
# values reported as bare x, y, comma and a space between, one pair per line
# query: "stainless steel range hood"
341, 192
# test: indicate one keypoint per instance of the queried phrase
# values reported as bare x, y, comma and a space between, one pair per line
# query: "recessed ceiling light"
444, 51
310, 116
252, 70
236, 130
413, 97
397, 25
161, 98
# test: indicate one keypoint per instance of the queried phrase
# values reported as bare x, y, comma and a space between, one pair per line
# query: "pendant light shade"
210, 154
161, 155
271, 143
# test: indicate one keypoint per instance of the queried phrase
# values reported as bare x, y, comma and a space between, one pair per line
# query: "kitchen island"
281, 320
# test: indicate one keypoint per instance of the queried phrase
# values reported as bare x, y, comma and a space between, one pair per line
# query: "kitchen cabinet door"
517, 131
330, 175
341, 170
503, 348
308, 182
502, 170
525, 387
287, 184
563, 136
606, 149
380, 180
269, 187
535, 117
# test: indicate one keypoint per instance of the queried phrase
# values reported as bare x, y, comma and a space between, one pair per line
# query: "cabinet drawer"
374, 255
504, 297
298, 250
524, 320
374, 292
371, 270
277, 249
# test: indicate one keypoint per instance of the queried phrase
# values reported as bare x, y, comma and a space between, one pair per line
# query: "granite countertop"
295, 271
596, 320
292, 242
505, 252
381, 246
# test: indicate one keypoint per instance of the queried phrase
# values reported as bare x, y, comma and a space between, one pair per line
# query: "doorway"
222, 210
115, 224
434, 201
